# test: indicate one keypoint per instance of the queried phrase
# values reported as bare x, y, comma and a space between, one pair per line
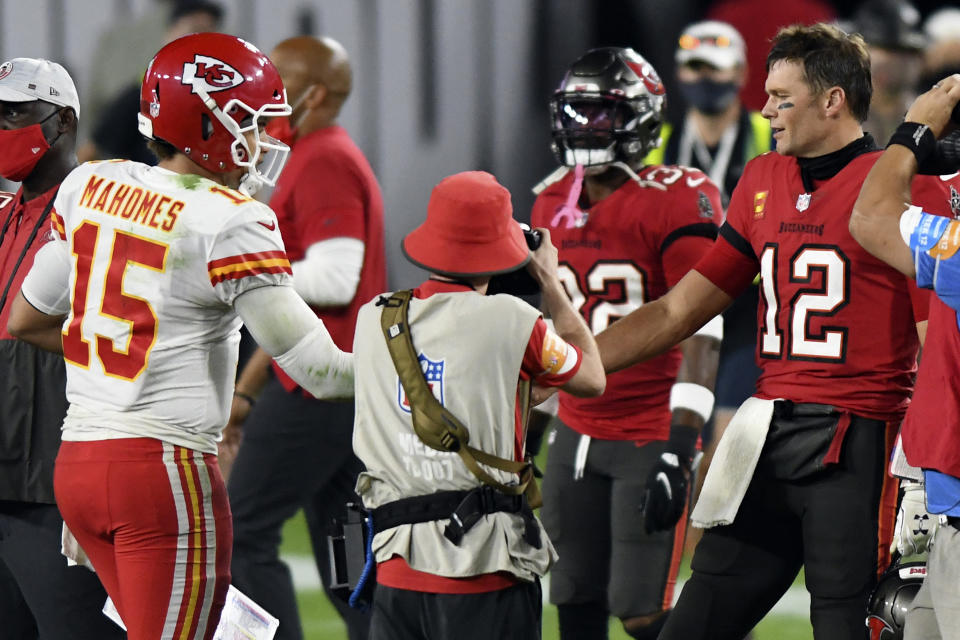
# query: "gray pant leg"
921, 623
935, 612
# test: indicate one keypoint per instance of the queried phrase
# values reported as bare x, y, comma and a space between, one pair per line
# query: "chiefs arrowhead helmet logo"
210, 74
5, 69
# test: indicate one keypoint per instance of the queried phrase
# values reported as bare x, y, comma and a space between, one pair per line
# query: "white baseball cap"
713, 42
29, 79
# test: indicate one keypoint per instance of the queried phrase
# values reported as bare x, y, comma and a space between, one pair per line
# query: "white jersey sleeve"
45, 286
248, 254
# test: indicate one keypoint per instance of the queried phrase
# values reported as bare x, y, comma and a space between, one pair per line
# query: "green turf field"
320, 621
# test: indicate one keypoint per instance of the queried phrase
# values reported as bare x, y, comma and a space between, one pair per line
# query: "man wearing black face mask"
718, 135
40, 596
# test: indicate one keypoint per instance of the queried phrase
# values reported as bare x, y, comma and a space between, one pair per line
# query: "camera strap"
433, 423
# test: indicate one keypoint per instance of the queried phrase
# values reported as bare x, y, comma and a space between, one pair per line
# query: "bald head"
304, 61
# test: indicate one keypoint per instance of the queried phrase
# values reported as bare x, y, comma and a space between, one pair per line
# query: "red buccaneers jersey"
836, 326
934, 417
633, 246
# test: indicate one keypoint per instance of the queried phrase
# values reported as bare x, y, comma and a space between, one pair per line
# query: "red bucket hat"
469, 230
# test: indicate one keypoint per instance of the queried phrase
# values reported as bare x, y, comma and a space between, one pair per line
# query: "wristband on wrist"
916, 137
692, 397
245, 396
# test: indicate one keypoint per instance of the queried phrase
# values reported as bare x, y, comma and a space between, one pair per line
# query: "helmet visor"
597, 113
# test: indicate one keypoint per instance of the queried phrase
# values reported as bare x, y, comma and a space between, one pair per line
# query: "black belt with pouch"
806, 438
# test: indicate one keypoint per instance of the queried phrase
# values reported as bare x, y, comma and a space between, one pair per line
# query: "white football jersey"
157, 259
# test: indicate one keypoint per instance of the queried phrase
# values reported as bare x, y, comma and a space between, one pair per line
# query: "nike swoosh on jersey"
695, 182
271, 226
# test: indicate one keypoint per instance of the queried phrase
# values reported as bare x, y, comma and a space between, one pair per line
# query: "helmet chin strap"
250, 184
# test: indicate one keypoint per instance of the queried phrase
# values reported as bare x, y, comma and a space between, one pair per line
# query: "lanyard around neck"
715, 167
26, 247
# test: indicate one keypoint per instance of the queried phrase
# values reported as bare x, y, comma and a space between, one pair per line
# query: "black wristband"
683, 441
916, 137
246, 396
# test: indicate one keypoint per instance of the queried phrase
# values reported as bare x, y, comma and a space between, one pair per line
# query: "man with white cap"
718, 135
45, 598
458, 556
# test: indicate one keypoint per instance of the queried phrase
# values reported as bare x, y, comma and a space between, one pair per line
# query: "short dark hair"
162, 149
830, 58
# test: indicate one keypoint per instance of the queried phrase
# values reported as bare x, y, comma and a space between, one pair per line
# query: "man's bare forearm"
875, 220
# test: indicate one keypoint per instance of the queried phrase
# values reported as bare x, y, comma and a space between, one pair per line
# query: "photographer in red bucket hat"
457, 547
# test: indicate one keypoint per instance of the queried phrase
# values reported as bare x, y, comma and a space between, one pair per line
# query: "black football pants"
40, 596
514, 613
827, 523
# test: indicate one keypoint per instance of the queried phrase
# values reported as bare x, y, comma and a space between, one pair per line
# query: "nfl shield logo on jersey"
803, 201
433, 372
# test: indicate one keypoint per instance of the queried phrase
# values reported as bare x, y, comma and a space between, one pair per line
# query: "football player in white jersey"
143, 287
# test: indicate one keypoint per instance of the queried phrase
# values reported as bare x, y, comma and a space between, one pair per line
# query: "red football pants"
155, 522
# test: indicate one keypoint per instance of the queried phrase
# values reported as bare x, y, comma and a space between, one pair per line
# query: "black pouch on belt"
804, 438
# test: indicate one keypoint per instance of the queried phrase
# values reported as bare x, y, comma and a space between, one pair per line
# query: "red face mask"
281, 129
22, 150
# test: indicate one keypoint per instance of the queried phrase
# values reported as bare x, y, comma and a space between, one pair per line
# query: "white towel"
71, 549
733, 464
899, 466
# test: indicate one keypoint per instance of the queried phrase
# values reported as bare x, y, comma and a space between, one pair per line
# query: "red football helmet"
203, 92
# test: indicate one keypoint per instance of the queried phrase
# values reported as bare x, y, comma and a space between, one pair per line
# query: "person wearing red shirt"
471, 569
799, 477
330, 213
39, 595
923, 246
626, 233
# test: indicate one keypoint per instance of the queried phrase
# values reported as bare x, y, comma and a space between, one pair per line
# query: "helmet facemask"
595, 130
268, 152
608, 110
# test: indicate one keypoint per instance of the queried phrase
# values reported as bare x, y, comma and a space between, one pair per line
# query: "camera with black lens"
532, 236
518, 283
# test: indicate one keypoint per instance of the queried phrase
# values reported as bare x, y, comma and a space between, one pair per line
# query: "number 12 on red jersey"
823, 301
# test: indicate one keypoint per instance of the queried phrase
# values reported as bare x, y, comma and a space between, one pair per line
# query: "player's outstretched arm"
885, 196
656, 326
38, 311
282, 323
590, 380
31, 325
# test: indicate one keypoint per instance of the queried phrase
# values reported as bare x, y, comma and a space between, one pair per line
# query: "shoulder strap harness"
436, 426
